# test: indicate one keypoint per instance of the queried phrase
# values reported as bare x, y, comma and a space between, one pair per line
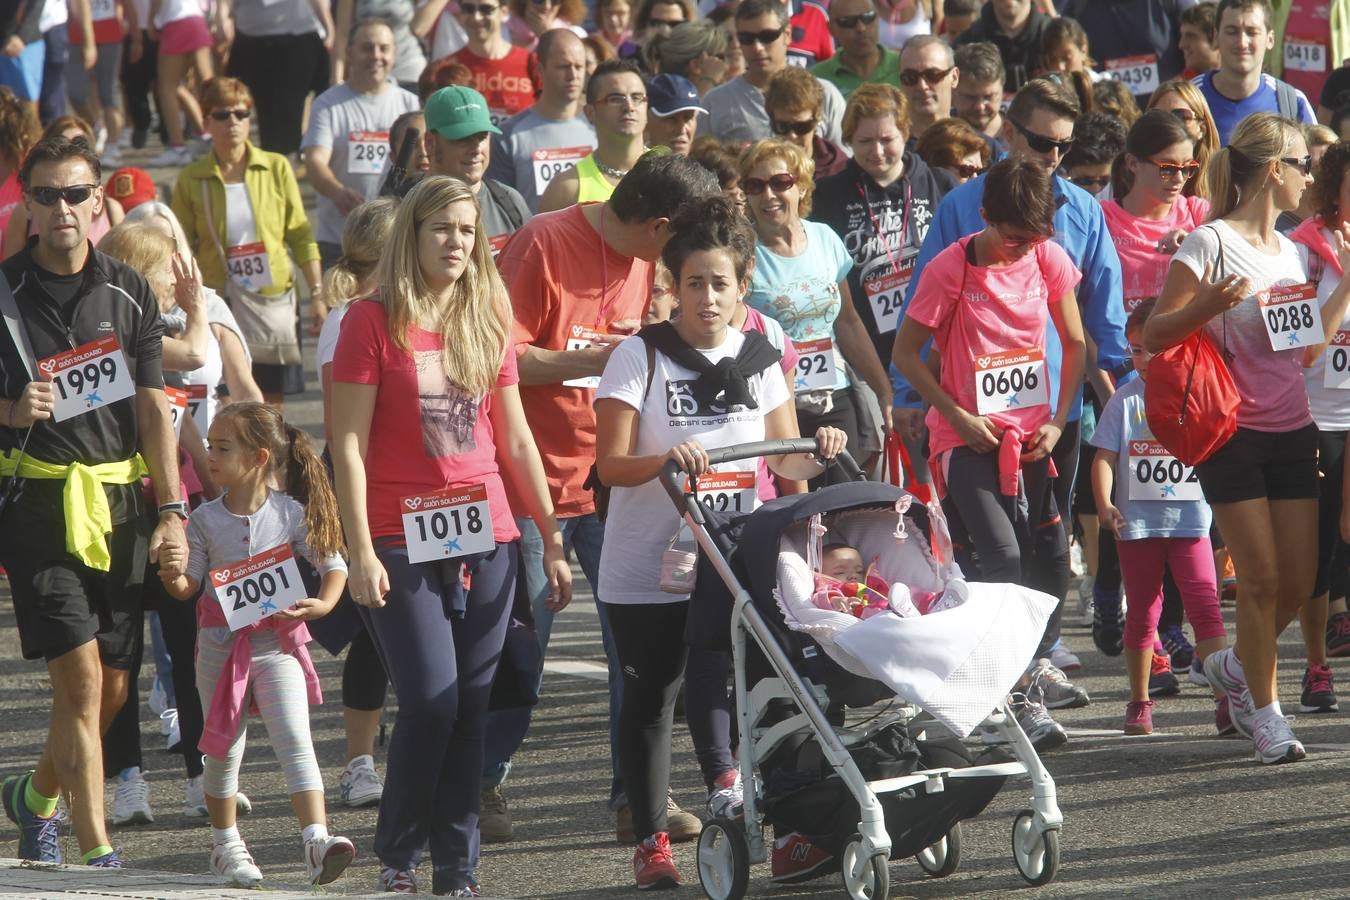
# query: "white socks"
1266, 713
225, 835
314, 832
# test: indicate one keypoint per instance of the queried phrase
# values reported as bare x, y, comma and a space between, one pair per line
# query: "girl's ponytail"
307, 483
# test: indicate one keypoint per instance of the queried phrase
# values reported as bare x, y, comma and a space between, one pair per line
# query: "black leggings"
709, 710
652, 657
364, 682
281, 71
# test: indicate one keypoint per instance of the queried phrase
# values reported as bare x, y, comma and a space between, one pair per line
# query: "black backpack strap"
9, 309
1286, 99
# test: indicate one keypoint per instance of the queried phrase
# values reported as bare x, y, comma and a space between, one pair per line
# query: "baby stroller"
796, 673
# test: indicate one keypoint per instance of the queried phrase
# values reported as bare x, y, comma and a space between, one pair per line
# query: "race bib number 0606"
260, 586
1011, 379
87, 378
447, 524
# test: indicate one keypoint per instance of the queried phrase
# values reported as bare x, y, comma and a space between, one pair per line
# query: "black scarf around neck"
729, 377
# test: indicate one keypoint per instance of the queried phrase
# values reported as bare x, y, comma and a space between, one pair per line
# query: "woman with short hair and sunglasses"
1184, 100
800, 279
244, 231
793, 100
956, 148
1262, 483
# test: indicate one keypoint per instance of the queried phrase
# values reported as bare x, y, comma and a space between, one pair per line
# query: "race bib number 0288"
260, 586
447, 524
87, 378
1292, 316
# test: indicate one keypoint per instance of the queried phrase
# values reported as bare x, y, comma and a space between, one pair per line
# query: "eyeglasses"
478, 9
910, 77
781, 182
1042, 144
74, 194
666, 23
224, 115
1092, 183
766, 37
620, 100
967, 171
1185, 115
784, 128
1017, 243
1187, 170
1304, 165
851, 22
545, 2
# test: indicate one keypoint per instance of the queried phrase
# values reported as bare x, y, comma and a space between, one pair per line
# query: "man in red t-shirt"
501, 72
579, 281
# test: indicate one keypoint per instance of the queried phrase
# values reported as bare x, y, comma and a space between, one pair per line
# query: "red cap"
131, 187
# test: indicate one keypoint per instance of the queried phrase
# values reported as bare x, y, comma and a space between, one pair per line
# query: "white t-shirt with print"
669, 415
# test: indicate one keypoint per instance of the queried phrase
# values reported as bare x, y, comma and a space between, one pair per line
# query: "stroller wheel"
724, 860
1036, 855
942, 858
864, 879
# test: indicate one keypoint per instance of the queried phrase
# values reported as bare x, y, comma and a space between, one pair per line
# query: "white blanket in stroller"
957, 664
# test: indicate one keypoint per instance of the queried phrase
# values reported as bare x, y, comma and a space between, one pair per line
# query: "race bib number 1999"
87, 378
260, 586
446, 524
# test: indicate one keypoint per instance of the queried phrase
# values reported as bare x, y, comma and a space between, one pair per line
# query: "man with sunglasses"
347, 144
501, 70
542, 142
1098, 139
616, 105
859, 56
736, 109
928, 75
1015, 27
86, 418
1039, 127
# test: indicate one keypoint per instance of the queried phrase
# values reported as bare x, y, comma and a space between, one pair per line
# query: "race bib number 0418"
447, 524
87, 378
260, 586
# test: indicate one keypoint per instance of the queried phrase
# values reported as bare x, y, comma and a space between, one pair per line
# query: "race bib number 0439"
87, 378
447, 524
260, 586
1138, 73
1155, 474
1011, 379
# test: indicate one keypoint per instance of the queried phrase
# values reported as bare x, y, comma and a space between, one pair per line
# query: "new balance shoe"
328, 857
131, 799
39, 836
796, 859
681, 826
1139, 717
1049, 686
1042, 730
109, 860
1178, 648
726, 800
1223, 719
232, 861
1108, 621
1275, 742
1161, 681
1338, 635
1239, 698
494, 816
1319, 695
654, 864
1061, 658
398, 881
360, 784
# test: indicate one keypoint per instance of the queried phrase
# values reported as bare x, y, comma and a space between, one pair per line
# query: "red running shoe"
796, 859
654, 865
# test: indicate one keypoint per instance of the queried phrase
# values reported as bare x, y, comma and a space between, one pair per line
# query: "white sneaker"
1085, 601
727, 802
168, 726
1064, 659
111, 157
328, 857
171, 158
1275, 742
232, 861
360, 784
1041, 729
1239, 698
1048, 685
158, 700
100, 139
194, 799
131, 799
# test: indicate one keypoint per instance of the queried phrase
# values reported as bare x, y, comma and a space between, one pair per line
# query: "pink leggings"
1192, 563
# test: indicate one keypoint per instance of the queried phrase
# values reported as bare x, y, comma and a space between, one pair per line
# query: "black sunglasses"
478, 9
1185, 115
965, 170
850, 22
1043, 144
781, 182
1304, 164
74, 194
766, 37
798, 128
910, 77
224, 115
1092, 183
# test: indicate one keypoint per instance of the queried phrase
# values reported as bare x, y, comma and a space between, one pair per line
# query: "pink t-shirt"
1143, 268
427, 434
976, 311
766, 487
11, 195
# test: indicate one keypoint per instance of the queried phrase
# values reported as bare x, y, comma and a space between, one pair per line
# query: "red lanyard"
876, 226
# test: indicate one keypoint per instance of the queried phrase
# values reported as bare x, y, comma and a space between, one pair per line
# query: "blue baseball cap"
670, 94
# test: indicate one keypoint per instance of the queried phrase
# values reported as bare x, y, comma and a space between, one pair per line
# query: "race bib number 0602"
1155, 474
260, 586
447, 524
87, 378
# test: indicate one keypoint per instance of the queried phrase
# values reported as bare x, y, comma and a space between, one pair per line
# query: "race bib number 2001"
87, 378
260, 586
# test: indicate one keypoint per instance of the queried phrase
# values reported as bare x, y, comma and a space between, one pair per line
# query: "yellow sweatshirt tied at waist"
88, 518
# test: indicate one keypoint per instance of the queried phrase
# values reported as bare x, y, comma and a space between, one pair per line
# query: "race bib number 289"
87, 378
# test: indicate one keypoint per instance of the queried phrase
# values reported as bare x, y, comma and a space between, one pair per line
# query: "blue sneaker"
38, 836
109, 860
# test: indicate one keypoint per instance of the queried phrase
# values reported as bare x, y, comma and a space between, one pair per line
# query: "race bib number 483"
1155, 474
87, 378
260, 586
446, 524
249, 267
1292, 316
1011, 379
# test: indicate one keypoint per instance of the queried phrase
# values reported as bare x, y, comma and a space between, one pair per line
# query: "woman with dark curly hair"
18, 131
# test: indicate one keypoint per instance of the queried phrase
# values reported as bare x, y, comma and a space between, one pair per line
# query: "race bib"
549, 164
583, 337
260, 586
87, 378
178, 404
1155, 474
449, 523
248, 266
1336, 373
102, 10
727, 491
1292, 316
1012, 379
1138, 73
366, 152
497, 242
815, 365
1304, 55
197, 405
886, 295
1132, 303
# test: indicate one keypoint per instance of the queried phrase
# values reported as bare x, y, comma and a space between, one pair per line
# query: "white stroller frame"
726, 849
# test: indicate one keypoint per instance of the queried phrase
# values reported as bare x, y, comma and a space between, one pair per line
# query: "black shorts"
1331, 550
61, 604
1275, 465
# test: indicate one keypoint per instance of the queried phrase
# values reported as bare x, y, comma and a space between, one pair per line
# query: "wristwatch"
178, 507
